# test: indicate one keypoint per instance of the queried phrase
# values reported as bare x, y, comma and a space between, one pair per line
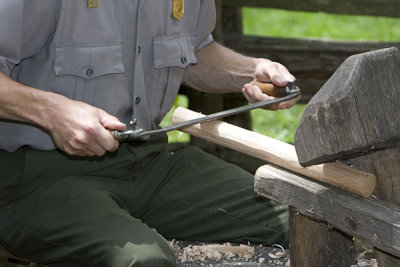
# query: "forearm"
24, 104
221, 70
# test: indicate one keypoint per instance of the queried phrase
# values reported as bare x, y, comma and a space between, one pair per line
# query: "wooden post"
338, 249
356, 113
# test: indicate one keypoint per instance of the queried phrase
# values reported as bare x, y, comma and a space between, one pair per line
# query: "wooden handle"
277, 152
269, 89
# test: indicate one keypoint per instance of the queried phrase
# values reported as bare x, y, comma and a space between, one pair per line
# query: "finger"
105, 140
248, 92
289, 103
244, 91
97, 149
254, 94
88, 146
111, 122
280, 75
89, 154
273, 72
116, 145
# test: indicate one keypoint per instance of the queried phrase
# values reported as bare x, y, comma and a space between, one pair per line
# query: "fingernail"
282, 81
283, 106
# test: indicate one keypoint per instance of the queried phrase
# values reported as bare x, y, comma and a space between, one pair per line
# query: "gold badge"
92, 3
178, 8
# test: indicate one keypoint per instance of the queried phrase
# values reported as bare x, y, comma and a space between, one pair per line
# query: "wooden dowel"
276, 152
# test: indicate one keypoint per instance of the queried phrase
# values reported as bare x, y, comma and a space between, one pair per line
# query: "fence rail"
387, 8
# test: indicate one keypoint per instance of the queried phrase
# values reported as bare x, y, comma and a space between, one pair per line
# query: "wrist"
49, 109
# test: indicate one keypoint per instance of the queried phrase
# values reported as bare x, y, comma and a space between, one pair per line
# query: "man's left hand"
269, 72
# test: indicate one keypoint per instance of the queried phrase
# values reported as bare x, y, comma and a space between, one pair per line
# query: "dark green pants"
117, 210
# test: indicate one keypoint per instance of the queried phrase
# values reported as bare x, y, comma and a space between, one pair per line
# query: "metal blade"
135, 133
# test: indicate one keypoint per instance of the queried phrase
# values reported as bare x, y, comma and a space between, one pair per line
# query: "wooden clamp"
276, 152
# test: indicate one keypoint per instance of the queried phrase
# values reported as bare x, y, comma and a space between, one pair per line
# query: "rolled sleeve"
24, 28
206, 42
205, 24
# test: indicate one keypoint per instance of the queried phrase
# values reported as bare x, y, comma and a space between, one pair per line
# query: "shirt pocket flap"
174, 51
89, 61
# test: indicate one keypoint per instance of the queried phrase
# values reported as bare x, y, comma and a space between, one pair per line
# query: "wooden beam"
388, 8
276, 152
370, 220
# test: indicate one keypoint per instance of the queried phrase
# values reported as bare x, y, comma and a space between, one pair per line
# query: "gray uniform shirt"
127, 57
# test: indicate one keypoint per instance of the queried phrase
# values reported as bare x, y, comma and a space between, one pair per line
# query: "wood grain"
277, 152
327, 248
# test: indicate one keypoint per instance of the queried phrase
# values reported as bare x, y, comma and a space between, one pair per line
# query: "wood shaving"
213, 251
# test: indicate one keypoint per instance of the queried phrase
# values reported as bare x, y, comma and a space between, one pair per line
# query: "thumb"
111, 122
279, 80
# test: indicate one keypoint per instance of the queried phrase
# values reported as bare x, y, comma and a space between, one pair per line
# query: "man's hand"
81, 129
76, 128
269, 72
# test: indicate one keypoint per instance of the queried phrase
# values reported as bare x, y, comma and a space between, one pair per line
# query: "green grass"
281, 23
176, 136
282, 124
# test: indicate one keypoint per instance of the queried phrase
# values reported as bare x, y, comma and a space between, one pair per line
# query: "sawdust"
228, 254
213, 251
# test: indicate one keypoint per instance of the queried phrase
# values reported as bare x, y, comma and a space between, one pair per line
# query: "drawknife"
285, 93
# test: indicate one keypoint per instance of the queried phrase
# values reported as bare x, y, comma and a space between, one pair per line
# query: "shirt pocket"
172, 55
174, 51
89, 61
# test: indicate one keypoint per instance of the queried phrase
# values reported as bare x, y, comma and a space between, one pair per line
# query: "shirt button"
139, 49
89, 72
137, 100
183, 60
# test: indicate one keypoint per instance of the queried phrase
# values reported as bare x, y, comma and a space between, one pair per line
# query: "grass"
282, 124
281, 23
176, 136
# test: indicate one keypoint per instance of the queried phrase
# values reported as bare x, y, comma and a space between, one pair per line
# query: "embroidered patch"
178, 8
92, 3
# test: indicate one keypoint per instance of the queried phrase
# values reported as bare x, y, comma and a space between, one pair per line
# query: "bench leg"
314, 243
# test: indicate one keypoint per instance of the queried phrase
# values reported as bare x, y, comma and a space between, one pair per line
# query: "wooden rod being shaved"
276, 152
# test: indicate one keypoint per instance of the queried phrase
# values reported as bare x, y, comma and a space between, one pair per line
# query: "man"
70, 194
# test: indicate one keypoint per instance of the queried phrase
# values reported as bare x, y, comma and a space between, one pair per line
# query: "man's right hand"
76, 128
81, 129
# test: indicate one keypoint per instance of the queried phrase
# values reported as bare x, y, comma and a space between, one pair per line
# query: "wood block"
355, 112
